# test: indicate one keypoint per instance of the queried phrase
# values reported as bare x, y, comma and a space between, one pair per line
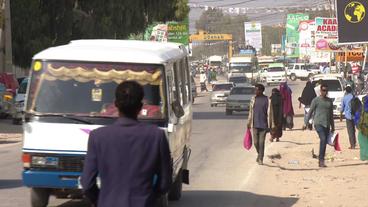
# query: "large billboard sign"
306, 39
253, 34
292, 33
326, 34
353, 21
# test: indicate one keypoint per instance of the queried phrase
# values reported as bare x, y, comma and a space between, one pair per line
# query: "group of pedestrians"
275, 114
270, 114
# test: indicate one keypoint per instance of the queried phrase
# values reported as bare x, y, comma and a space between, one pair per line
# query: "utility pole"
8, 40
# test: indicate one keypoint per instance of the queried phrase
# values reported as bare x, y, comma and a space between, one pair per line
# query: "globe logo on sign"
354, 12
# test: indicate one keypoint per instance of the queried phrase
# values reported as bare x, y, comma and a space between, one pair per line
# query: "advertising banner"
178, 32
351, 56
292, 33
320, 57
353, 21
306, 39
253, 34
326, 34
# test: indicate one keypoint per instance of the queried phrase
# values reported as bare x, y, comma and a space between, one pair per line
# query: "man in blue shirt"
346, 108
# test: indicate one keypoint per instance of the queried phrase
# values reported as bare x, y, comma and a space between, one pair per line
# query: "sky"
270, 18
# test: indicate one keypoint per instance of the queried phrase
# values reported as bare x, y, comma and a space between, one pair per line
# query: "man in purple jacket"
132, 159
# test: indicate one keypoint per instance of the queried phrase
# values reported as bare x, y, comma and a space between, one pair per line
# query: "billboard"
253, 34
353, 21
306, 39
292, 33
326, 34
178, 32
320, 57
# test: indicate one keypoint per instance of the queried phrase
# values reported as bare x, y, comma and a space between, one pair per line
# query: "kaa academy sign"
352, 21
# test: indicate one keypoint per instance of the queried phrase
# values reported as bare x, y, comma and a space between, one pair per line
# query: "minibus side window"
183, 81
177, 83
187, 77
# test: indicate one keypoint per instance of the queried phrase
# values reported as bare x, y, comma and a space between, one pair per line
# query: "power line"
233, 4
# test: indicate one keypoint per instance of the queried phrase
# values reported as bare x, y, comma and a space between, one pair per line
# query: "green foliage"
38, 24
214, 21
271, 35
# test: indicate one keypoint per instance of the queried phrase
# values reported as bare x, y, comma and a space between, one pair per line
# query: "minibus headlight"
45, 161
36, 160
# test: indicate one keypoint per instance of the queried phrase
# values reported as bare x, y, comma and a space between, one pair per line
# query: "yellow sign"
354, 12
351, 56
210, 37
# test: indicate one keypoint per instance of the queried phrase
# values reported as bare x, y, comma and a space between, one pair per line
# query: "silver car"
239, 99
220, 92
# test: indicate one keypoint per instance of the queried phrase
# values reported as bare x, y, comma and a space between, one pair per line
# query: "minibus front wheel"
40, 197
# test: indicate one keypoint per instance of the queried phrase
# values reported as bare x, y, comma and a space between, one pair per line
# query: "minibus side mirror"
178, 109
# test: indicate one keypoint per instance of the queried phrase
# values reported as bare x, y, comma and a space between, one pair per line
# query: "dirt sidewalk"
291, 171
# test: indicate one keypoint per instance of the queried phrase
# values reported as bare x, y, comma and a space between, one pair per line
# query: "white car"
299, 71
274, 74
220, 92
336, 86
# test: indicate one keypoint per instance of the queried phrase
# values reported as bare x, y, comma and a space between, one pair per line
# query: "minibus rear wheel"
40, 197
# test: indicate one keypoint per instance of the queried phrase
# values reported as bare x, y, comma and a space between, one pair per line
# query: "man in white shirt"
202, 81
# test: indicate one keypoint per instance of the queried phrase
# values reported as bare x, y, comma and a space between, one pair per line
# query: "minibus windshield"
88, 89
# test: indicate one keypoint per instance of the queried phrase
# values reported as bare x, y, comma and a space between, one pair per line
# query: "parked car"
10, 82
239, 99
5, 101
299, 71
9, 87
336, 86
19, 102
220, 92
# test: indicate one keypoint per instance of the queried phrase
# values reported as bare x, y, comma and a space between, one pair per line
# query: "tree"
271, 35
214, 21
38, 24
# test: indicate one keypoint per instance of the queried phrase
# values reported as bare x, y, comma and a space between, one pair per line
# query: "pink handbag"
247, 143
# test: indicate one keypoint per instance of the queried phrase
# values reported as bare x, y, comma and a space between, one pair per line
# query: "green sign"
178, 32
292, 33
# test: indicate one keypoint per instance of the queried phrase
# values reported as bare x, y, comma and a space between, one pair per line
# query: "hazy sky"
265, 18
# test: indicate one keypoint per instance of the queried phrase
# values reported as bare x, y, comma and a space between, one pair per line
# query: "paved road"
222, 172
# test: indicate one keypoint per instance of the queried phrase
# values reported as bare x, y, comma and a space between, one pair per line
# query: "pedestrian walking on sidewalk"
362, 118
132, 159
288, 110
306, 99
258, 120
346, 108
350, 82
202, 81
322, 111
275, 115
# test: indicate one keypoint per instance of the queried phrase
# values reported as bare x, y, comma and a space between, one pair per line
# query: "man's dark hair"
260, 87
323, 85
128, 98
348, 89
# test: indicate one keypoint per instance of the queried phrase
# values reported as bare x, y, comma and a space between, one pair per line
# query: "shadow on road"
76, 203
8, 128
7, 184
231, 198
218, 115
